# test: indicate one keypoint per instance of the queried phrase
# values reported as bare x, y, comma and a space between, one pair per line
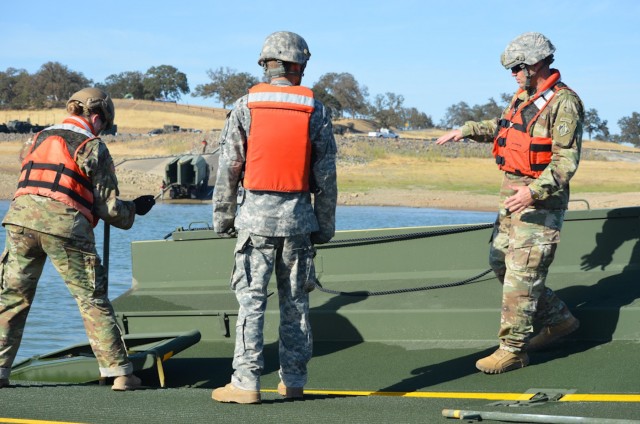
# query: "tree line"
341, 93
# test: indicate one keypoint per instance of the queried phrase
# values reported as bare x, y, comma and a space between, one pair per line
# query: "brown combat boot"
233, 394
550, 334
290, 392
502, 361
4, 382
126, 382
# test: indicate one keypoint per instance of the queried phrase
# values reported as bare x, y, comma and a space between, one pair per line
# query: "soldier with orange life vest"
537, 144
278, 143
67, 183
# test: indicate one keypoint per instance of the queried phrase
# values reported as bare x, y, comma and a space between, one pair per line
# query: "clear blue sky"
434, 53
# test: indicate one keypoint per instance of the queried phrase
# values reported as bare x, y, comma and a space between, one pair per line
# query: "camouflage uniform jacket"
50, 216
561, 120
275, 214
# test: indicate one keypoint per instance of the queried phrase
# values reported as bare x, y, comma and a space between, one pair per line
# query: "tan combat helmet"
283, 46
527, 49
93, 99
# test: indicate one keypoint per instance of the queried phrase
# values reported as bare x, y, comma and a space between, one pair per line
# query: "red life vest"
514, 149
279, 147
50, 167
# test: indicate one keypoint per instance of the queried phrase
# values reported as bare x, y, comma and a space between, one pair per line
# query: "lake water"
54, 321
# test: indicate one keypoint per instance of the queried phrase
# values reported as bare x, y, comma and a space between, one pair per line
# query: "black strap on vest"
28, 169
540, 147
534, 167
54, 186
538, 166
59, 169
72, 194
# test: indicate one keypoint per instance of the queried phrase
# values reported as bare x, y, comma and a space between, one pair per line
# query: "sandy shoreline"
452, 200
135, 183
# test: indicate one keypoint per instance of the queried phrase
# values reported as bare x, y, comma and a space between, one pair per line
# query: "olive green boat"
399, 322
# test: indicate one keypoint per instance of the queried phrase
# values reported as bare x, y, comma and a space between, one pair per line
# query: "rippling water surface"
54, 321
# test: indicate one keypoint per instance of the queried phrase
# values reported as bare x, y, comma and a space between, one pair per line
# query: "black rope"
365, 293
400, 237
388, 239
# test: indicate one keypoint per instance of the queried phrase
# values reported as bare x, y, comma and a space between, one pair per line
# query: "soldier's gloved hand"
320, 238
310, 285
144, 204
230, 233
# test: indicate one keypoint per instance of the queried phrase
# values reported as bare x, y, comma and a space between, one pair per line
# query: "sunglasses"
517, 69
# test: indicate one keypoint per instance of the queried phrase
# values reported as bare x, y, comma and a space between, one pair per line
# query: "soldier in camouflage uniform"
52, 215
537, 143
278, 142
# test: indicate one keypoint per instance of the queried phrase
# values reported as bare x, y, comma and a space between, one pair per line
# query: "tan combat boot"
550, 334
233, 394
502, 361
290, 392
126, 382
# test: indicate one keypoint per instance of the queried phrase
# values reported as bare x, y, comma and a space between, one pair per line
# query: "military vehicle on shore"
187, 177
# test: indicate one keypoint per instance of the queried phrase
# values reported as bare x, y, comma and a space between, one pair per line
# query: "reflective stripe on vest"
49, 170
278, 146
514, 149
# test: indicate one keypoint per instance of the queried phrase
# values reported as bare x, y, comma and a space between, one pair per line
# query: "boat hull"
401, 357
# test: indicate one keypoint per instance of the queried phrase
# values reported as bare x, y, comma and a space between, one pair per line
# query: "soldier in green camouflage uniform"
530, 219
39, 226
276, 231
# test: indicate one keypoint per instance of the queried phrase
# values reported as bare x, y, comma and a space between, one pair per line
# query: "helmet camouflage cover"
93, 99
528, 48
285, 46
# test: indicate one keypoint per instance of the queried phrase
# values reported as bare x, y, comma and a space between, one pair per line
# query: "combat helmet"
94, 99
283, 46
527, 49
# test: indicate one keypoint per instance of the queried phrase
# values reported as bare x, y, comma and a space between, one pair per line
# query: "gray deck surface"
338, 375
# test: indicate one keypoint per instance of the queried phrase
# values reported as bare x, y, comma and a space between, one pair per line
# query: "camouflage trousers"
523, 247
79, 265
256, 257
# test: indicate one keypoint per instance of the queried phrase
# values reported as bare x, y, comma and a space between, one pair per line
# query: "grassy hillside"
135, 116
141, 116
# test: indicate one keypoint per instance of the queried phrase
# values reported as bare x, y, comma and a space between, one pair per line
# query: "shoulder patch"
563, 129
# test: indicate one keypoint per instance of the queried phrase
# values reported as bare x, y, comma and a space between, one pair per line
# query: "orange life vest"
278, 148
50, 167
514, 149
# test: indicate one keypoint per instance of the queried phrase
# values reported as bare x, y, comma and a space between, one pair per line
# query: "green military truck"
187, 177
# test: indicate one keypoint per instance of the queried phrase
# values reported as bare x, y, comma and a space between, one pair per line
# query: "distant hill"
135, 116
142, 116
